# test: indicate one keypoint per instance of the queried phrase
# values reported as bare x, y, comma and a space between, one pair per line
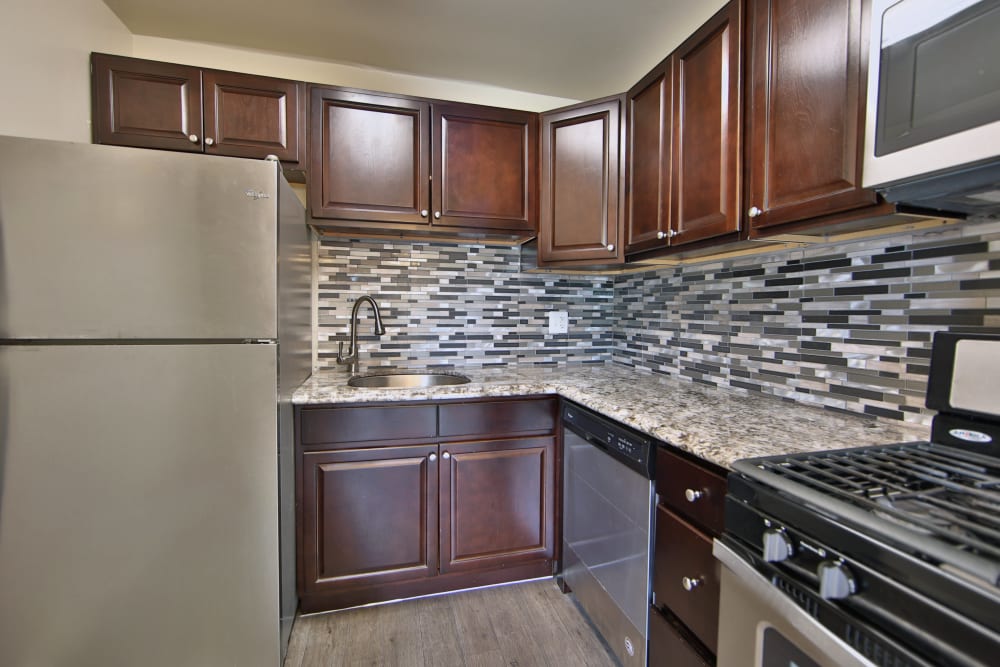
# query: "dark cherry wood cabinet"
689, 514
410, 163
150, 104
484, 167
582, 155
806, 79
369, 157
705, 178
401, 500
649, 151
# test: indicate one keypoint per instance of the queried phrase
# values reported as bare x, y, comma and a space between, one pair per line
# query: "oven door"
759, 626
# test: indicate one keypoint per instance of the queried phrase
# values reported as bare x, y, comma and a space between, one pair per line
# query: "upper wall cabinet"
150, 104
392, 159
807, 73
581, 168
684, 141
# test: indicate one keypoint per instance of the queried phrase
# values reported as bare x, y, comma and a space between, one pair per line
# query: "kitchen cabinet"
395, 162
149, 104
806, 79
403, 500
689, 514
684, 141
581, 185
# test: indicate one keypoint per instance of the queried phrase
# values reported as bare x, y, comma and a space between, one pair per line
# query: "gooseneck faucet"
352, 352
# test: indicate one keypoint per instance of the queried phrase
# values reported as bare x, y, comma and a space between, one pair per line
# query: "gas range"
894, 550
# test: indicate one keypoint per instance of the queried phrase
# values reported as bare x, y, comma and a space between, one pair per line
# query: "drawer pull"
689, 584
432, 458
693, 495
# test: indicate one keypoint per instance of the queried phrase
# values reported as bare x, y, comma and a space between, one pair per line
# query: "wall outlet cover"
558, 322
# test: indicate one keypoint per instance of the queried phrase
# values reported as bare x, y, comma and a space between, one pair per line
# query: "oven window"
777, 651
939, 81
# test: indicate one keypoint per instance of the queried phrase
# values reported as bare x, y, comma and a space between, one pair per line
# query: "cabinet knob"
611, 247
672, 233
193, 138
661, 235
437, 215
432, 458
693, 495
423, 213
446, 455
689, 584
209, 141
754, 212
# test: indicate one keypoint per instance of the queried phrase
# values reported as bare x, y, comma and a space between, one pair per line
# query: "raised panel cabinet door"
650, 112
368, 157
706, 165
253, 116
580, 176
146, 104
497, 503
484, 167
368, 516
806, 95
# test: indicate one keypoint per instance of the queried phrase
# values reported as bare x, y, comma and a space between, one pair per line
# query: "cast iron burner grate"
936, 501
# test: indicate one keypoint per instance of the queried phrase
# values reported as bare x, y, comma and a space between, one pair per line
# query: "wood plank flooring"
520, 625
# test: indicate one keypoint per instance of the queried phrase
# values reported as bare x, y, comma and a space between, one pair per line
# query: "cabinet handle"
754, 212
437, 215
193, 138
446, 455
689, 584
432, 458
209, 141
661, 235
611, 247
693, 495
672, 233
423, 213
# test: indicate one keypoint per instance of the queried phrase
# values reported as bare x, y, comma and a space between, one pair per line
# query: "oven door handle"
825, 641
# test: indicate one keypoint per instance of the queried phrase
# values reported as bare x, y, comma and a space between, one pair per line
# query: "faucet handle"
341, 359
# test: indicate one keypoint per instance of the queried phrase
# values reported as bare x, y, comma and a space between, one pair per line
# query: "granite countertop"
719, 425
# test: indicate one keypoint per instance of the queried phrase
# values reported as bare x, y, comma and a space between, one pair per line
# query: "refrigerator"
154, 321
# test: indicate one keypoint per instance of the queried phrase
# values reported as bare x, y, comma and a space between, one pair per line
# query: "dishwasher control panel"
628, 446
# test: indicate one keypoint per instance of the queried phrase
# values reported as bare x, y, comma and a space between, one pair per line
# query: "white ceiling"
579, 49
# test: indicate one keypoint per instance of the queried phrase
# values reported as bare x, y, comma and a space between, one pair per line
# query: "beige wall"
45, 50
320, 71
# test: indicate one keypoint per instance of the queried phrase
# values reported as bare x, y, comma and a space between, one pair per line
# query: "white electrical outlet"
558, 322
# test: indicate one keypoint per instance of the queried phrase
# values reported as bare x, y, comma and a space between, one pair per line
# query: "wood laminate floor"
520, 625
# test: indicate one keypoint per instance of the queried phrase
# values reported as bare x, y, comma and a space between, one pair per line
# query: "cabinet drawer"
329, 426
683, 553
678, 479
487, 418
667, 648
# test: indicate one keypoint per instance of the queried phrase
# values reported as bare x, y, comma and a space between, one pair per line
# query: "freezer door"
138, 506
104, 242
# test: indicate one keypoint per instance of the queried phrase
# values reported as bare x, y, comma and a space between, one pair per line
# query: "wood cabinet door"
806, 95
649, 133
497, 503
253, 116
706, 164
485, 167
368, 157
146, 103
369, 516
580, 184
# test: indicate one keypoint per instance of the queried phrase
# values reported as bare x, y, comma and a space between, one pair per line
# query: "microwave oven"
932, 134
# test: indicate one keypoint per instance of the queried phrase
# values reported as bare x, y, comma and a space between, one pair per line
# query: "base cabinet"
420, 512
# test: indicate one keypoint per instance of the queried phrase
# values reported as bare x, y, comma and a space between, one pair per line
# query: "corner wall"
45, 50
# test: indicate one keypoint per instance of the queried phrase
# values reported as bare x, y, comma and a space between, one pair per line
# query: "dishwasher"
608, 502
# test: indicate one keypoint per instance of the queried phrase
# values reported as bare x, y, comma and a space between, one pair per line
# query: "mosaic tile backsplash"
847, 327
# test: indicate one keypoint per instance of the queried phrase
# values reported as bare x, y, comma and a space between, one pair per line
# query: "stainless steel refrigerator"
154, 320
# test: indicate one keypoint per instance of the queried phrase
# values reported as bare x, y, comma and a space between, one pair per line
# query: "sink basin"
405, 380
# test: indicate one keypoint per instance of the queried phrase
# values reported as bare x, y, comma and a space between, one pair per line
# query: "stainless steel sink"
405, 380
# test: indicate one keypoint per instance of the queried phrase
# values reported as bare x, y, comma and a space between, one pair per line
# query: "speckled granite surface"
719, 425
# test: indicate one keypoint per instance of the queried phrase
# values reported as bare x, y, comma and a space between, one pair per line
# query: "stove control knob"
835, 580
777, 545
